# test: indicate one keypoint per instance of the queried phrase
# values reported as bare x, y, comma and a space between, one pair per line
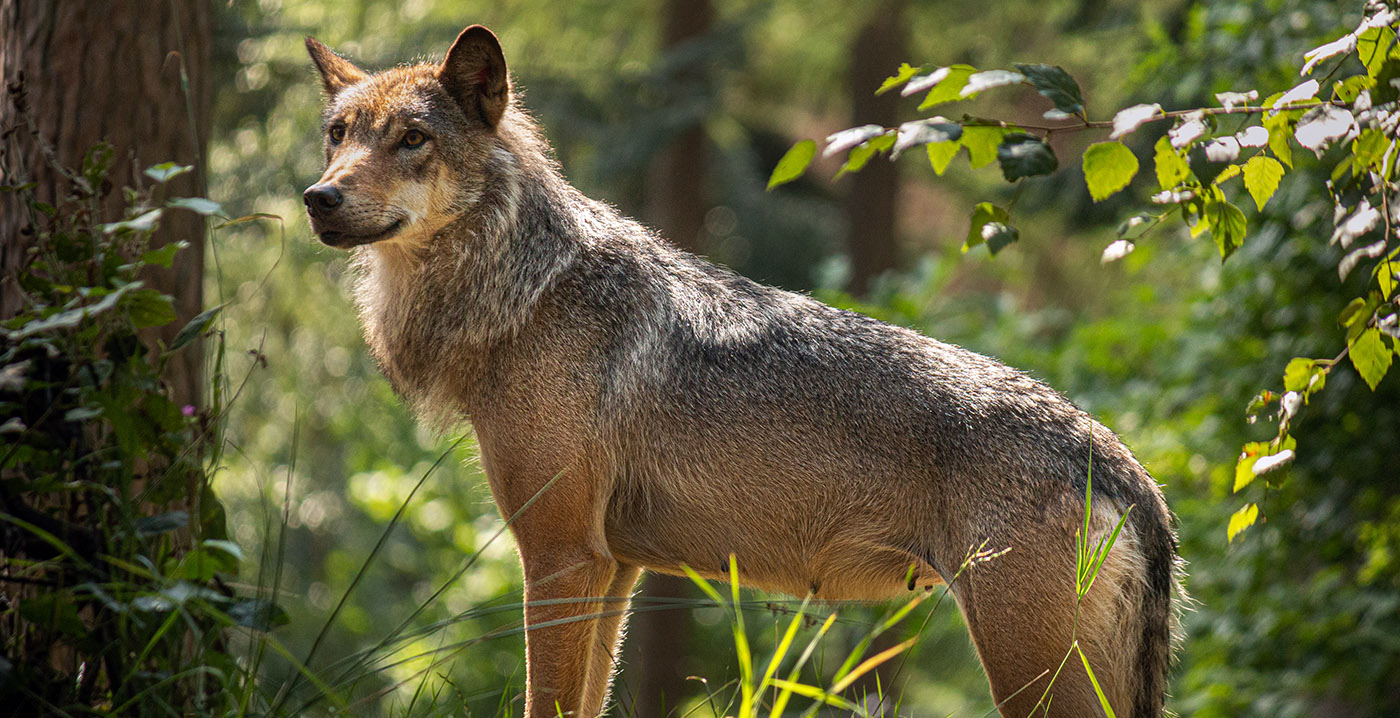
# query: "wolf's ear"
474, 73
337, 73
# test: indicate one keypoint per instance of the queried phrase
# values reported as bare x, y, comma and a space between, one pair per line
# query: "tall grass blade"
1103, 701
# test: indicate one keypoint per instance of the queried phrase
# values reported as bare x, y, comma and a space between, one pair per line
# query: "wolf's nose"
322, 197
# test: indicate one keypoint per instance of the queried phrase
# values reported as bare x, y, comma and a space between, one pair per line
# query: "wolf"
637, 407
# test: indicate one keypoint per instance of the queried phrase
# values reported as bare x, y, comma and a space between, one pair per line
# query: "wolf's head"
406, 149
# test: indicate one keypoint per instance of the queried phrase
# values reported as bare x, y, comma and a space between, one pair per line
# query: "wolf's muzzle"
321, 199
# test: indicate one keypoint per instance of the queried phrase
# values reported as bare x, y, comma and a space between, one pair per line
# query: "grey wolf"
685, 413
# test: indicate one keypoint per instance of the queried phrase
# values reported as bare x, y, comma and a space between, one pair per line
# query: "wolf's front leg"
563, 590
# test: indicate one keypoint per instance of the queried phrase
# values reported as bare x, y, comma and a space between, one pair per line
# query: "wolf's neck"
433, 309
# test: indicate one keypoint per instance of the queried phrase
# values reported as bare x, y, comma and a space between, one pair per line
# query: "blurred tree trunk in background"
870, 202
659, 641
676, 199
871, 209
109, 71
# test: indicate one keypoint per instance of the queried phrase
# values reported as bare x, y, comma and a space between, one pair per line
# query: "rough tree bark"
110, 71
870, 202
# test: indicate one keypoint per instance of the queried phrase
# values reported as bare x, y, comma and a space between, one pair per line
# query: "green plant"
117, 576
1351, 125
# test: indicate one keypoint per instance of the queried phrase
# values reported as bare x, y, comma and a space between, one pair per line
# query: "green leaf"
1372, 46
1172, 169
1370, 148
1227, 226
793, 164
950, 87
1108, 168
144, 223
1241, 520
983, 214
981, 142
228, 547
1127, 120
194, 328
1347, 90
1280, 127
924, 132
161, 523
166, 171
149, 308
1386, 280
1357, 308
861, 154
82, 413
905, 72
72, 317
197, 204
1023, 155
1370, 355
164, 255
1244, 467
1056, 85
54, 611
999, 235
1385, 90
941, 154
1261, 177
1304, 375
988, 80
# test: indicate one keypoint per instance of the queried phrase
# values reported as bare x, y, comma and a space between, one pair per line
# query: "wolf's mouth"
345, 240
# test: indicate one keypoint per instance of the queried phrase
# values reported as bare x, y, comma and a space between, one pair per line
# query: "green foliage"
1108, 168
118, 566
1199, 154
794, 163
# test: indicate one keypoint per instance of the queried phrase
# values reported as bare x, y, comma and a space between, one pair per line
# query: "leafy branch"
1356, 118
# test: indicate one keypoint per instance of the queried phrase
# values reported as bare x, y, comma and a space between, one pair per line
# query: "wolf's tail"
1162, 590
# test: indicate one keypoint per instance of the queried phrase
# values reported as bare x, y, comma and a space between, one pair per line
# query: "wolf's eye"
337, 134
413, 138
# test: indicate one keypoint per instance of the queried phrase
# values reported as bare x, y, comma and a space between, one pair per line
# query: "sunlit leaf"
166, 171
846, 139
941, 154
199, 205
981, 142
982, 214
926, 131
1172, 169
1129, 119
1108, 168
988, 80
1370, 355
1261, 177
905, 72
1241, 520
947, 84
793, 163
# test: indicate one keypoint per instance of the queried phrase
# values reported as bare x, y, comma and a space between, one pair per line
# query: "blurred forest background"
676, 111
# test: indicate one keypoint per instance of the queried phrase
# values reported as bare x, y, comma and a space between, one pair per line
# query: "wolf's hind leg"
1020, 609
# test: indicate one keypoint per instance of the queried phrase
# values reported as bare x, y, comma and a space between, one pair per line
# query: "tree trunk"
659, 641
870, 203
676, 196
109, 71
